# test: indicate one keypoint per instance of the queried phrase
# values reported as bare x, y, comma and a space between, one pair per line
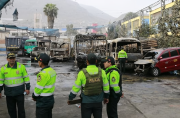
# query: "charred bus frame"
85, 44
132, 47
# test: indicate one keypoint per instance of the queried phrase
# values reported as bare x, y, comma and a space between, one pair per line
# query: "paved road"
145, 97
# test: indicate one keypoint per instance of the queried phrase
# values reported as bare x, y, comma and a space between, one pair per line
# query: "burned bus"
60, 51
132, 47
44, 46
85, 44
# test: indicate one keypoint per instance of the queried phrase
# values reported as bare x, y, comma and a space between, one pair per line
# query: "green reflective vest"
122, 54
114, 79
45, 82
81, 81
94, 83
14, 79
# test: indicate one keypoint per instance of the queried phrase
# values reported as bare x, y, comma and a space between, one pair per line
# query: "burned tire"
155, 72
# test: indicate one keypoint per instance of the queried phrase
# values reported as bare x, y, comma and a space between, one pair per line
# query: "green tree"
70, 30
145, 30
51, 11
169, 27
112, 31
130, 15
123, 31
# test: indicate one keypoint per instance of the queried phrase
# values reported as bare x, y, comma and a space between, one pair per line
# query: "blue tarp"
13, 27
49, 32
3, 3
64, 29
43, 30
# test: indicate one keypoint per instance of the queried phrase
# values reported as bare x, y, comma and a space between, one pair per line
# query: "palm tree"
51, 11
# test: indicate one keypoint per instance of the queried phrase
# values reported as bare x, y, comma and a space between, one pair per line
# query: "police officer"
122, 57
94, 84
14, 78
43, 92
115, 82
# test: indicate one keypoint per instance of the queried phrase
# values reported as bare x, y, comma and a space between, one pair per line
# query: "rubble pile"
149, 43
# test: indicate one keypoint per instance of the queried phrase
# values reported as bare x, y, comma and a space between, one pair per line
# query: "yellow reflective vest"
45, 82
122, 54
45, 87
13, 79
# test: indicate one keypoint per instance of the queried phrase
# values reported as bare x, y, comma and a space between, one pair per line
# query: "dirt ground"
145, 96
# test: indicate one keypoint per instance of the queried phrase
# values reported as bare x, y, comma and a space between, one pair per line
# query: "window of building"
37, 20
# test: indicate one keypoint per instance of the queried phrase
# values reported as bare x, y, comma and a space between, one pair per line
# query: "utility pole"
163, 5
141, 16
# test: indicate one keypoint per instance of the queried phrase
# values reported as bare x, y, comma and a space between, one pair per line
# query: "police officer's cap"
91, 57
43, 57
11, 55
109, 59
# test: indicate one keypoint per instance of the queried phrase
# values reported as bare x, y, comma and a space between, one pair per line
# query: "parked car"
159, 61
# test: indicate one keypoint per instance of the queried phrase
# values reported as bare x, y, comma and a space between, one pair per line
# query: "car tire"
155, 72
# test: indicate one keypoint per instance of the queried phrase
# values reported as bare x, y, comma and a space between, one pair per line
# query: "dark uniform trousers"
12, 101
44, 112
91, 108
122, 62
112, 107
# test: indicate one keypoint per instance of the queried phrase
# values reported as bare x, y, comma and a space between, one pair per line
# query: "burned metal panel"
145, 64
132, 57
89, 43
38, 50
60, 51
44, 43
142, 61
89, 37
131, 46
52, 38
85, 44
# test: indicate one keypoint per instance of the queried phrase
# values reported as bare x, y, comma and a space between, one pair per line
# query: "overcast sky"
117, 7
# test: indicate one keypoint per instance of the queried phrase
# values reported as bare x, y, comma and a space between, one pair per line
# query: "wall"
135, 23
2, 40
156, 14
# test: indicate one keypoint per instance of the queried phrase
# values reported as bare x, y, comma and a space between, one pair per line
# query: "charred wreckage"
85, 44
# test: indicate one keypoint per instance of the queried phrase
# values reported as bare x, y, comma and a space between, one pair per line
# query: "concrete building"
3, 34
1, 22
37, 20
156, 14
151, 18
134, 23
